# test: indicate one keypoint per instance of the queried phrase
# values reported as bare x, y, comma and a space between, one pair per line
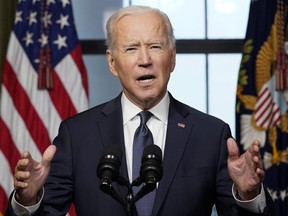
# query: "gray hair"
136, 10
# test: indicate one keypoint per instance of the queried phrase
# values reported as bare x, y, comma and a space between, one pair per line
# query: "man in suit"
201, 163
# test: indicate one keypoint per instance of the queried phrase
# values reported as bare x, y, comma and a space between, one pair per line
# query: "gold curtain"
7, 14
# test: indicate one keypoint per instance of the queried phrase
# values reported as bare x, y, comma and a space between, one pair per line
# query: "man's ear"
173, 59
111, 62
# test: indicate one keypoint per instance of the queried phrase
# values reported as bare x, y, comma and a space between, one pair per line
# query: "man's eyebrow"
155, 42
131, 43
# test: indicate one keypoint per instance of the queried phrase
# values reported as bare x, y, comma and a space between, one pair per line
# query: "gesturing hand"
31, 175
246, 170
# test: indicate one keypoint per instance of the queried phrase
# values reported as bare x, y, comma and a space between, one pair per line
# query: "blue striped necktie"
142, 138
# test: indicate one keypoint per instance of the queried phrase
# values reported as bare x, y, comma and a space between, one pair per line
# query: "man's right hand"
31, 175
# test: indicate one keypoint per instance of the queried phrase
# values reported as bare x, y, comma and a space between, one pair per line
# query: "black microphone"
108, 167
151, 170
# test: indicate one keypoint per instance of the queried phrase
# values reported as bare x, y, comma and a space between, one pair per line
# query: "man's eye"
156, 47
130, 49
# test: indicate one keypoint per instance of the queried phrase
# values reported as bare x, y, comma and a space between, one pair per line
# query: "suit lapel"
111, 127
178, 132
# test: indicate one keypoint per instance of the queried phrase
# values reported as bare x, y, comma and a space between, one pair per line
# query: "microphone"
108, 167
151, 170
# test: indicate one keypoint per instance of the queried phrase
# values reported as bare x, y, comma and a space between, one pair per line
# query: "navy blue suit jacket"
195, 171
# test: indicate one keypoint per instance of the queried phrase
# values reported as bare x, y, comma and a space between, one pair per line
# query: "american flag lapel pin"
181, 125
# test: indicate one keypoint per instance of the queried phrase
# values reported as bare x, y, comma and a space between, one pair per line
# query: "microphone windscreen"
153, 151
112, 150
109, 163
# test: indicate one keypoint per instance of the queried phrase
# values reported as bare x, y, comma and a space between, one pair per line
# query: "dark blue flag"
262, 94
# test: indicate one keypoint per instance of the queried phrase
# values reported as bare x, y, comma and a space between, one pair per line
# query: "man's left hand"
246, 170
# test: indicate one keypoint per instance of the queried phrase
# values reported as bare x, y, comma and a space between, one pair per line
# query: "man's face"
142, 58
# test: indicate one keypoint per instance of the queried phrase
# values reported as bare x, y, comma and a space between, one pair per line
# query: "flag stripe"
71, 80
264, 109
264, 101
4, 201
6, 181
265, 120
276, 115
21, 137
76, 55
262, 113
26, 110
27, 78
6, 178
8, 147
61, 99
74, 97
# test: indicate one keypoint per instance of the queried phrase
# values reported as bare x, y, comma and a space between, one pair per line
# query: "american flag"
44, 82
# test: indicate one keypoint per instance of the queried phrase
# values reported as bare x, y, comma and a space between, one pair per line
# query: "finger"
260, 173
233, 150
26, 155
22, 164
49, 154
20, 180
257, 158
254, 149
21, 176
258, 162
20, 185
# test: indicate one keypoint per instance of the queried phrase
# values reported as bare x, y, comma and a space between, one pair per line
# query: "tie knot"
144, 116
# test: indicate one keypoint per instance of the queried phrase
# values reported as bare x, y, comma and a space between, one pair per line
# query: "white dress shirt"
157, 125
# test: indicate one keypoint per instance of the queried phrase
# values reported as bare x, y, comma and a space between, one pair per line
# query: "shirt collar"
160, 111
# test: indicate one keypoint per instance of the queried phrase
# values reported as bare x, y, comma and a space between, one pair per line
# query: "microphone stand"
130, 199
146, 188
108, 188
151, 172
129, 196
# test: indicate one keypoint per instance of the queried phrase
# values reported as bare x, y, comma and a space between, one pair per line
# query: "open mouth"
145, 78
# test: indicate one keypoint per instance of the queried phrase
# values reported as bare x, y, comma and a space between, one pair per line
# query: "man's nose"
144, 57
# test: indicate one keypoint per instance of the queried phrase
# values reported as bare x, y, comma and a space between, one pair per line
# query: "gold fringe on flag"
281, 62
